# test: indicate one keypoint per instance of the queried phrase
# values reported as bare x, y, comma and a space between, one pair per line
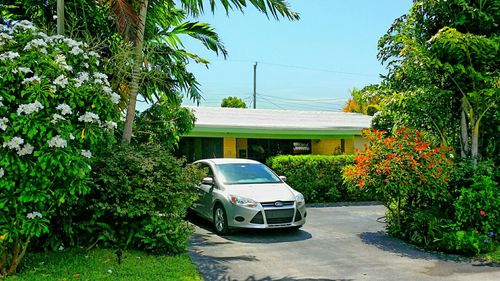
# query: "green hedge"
318, 177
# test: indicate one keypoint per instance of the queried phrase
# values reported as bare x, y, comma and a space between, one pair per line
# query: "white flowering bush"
55, 109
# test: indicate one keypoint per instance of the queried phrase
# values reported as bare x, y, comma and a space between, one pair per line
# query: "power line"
303, 68
306, 100
273, 103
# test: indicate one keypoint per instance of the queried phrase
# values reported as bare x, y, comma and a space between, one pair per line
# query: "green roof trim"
264, 133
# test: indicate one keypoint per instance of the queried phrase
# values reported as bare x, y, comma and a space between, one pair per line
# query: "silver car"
241, 193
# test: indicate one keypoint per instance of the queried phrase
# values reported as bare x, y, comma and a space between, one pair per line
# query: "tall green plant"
55, 109
445, 49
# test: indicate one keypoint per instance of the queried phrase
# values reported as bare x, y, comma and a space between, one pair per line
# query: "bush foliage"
429, 199
139, 199
318, 177
55, 109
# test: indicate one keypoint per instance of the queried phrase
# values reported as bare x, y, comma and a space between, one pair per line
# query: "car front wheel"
220, 220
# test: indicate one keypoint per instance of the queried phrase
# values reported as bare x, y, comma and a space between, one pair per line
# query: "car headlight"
242, 201
299, 198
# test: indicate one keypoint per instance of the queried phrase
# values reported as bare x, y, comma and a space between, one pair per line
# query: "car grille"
279, 216
258, 219
272, 204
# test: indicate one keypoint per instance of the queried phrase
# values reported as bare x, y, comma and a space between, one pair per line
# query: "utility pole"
60, 17
255, 85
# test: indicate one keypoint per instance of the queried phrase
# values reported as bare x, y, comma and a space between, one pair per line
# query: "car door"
205, 194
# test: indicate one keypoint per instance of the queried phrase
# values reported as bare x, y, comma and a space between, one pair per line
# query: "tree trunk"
475, 142
464, 138
136, 75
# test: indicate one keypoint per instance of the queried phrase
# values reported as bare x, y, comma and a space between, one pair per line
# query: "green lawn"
102, 264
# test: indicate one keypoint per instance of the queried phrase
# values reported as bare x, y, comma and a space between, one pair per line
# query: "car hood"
262, 192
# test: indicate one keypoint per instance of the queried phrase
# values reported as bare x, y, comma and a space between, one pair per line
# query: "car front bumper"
262, 217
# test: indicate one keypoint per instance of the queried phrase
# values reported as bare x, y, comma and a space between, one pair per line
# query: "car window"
207, 171
247, 173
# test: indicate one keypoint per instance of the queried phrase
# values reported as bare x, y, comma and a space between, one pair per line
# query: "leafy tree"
194, 7
234, 102
443, 63
163, 124
364, 101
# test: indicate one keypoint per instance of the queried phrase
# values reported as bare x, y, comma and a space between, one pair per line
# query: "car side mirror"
283, 178
208, 181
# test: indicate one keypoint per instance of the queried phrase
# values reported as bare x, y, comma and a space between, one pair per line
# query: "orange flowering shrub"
404, 169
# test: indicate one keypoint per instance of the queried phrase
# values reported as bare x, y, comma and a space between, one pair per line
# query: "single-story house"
261, 133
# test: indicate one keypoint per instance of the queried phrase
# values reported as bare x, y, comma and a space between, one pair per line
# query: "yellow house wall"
332, 147
349, 146
241, 144
229, 147
325, 147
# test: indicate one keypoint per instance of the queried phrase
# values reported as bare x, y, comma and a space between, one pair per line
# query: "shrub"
139, 199
55, 109
318, 177
411, 176
478, 208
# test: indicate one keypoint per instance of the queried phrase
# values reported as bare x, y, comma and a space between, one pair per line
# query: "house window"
200, 148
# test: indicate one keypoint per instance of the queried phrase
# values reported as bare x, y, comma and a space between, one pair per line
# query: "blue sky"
310, 64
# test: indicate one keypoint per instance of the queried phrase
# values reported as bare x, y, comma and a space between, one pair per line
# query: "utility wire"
303, 68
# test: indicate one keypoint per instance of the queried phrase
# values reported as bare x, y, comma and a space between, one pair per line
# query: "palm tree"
133, 27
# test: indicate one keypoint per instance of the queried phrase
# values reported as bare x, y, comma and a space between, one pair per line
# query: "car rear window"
247, 173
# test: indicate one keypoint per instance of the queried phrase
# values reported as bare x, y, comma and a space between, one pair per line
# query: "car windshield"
247, 173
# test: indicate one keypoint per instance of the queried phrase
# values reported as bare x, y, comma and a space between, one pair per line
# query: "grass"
102, 264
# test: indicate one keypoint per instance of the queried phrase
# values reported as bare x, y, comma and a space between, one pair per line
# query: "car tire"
220, 220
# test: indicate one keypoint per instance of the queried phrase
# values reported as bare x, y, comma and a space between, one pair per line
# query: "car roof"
218, 161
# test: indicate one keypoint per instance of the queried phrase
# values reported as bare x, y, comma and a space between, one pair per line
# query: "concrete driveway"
337, 243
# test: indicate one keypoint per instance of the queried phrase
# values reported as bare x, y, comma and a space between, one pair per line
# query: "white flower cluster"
57, 142
24, 24
110, 125
61, 81
26, 150
2, 173
24, 70
74, 45
101, 78
37, 44
56, 117
15, 143
86, 153
1, 99
64, 108
3, 123
29, 108
81, 78
35, 78
9, 55
115, 98
89, 117
4, 37
61, 61
34, 215
94, 54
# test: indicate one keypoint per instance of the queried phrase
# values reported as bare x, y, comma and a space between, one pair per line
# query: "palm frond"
127, 18
274, 8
